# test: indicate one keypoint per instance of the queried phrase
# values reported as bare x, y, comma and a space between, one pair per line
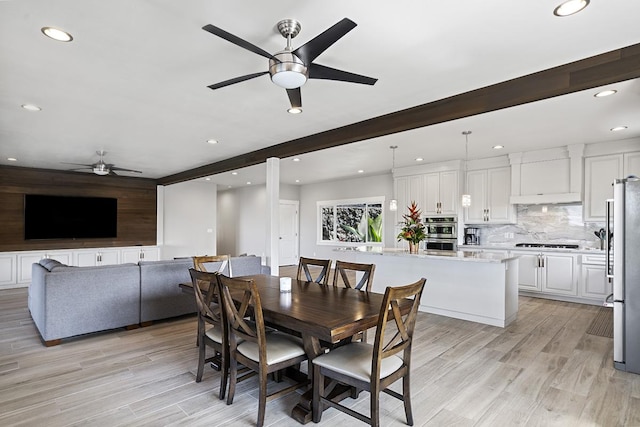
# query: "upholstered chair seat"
354, 360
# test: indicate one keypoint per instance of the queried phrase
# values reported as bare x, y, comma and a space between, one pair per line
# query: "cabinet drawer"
593, 259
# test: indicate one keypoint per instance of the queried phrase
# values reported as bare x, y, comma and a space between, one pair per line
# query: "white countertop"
594, 251
461, 255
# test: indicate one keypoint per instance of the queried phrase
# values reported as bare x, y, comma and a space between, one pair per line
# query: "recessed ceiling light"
617, 128
294, 110
207, 179
296, 159
360, 171
56, 34
498, 147
212, 141
12, 159
419, 159
248, 182
31, 107
228, 186
604, 93
570, 7
297, 180
234, 173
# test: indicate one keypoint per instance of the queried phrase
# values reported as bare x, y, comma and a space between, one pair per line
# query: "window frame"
342, 202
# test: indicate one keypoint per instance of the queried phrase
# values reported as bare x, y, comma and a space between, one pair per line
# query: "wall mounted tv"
69, 217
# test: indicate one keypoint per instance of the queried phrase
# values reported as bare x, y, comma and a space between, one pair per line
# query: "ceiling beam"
607, 68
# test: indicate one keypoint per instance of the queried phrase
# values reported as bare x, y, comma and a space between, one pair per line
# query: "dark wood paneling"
611, 67
137, 201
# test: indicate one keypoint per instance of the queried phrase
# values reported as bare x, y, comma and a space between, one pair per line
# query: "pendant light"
466, 197
393, 204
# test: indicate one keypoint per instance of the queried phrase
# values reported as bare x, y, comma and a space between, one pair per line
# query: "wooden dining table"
319, 313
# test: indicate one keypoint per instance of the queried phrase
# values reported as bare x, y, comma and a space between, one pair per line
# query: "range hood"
539, 199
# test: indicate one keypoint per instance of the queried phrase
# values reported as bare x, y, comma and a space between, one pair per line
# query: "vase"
413, 247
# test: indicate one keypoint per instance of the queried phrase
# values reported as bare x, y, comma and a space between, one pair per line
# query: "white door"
288, 243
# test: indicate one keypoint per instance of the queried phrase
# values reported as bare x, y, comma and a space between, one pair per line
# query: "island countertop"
463, 255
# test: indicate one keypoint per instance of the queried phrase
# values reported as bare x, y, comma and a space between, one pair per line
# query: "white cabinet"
599, 173
593, 280
409, 189
142, 253
8, 270
549, 273
25, 259
441, 193
490, 190
97, 257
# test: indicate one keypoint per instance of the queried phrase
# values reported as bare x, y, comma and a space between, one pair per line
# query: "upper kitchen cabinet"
599, 173
441, 193
409, 189
490, 190
547, 176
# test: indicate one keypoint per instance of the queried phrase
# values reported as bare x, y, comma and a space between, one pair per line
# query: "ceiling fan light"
289, 79
290, 72
295, 110
101, 169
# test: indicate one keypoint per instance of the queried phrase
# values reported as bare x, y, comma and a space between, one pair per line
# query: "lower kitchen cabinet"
593, 278
549, 273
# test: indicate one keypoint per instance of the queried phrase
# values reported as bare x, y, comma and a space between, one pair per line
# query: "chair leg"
201, 356
233, 378
406, 396
262, 398
375, 407
318, 393
224, 373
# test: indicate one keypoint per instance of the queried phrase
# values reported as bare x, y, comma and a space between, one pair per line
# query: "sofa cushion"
49, 263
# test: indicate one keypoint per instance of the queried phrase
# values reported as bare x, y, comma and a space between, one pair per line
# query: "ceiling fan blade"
111, 172
236, 80
123, 170
78, 164
295, 97
317, 71
238, 41
80, 169
314, 47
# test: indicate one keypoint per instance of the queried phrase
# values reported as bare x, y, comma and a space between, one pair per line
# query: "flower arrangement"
413, 230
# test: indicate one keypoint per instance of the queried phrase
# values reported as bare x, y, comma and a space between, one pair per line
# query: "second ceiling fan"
290, 68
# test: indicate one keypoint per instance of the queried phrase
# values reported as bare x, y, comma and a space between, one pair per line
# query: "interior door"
288, 242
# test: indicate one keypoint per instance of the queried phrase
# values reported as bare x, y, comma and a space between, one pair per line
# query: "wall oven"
441, 233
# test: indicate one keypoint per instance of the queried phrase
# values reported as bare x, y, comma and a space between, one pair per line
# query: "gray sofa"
67, 301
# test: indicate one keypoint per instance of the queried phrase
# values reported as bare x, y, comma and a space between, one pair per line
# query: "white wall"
189, 218
371, 186
241, 222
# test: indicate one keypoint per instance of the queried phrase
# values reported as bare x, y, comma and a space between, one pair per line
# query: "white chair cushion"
215, 334
280, 347
355, 360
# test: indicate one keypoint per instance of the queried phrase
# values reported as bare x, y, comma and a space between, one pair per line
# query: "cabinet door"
8, 274
109, 257
86, 259
150, 253
449, 192
528, 274
476, 187
559, 274
431, 194
416, 191
593, 282
131, 255
631, 164
498, 192
599, 173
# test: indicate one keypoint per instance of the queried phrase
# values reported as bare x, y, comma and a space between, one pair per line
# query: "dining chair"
344, 271
373, 367
250, 345
211, 263
323, 264
211, 326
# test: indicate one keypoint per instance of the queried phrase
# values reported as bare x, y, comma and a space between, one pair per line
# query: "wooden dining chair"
344, 271
373, 367
250, 345
323, 264
213, 263
211, 326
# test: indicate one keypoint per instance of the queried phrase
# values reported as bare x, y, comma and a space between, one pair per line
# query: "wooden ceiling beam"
607, 68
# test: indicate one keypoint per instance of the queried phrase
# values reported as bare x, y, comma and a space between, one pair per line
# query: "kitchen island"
469, 285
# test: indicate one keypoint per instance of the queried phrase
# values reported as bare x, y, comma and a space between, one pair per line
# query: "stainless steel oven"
441, 233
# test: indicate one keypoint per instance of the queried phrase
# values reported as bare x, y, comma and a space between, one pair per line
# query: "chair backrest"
323, 276
211, 263
404, 325
247, 301
208, 281
344, 269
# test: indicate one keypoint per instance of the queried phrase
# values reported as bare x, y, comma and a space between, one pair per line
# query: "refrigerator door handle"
607, 246
608, 302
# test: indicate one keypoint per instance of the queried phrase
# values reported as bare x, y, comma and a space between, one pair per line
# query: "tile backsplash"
561, 223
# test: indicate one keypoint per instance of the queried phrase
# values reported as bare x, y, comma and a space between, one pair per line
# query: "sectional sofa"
67, 301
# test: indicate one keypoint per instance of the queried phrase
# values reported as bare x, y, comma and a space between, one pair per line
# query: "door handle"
607, 247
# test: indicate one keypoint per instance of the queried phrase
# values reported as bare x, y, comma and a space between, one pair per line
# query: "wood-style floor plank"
542, 370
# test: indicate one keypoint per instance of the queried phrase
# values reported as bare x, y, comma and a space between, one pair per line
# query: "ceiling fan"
100, 167
290, 68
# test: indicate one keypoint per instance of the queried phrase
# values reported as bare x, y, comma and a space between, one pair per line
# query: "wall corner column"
273, 215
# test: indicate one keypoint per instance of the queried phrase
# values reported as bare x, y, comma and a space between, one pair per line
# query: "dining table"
321, 315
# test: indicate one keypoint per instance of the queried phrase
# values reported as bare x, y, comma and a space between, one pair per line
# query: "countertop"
461, 255
592, 251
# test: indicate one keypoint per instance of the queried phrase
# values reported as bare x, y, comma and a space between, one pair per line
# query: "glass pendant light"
393, 204
466, 197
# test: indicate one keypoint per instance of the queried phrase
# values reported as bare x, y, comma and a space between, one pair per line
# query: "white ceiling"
134, 81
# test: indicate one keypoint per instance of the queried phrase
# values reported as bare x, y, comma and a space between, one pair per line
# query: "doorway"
289, 226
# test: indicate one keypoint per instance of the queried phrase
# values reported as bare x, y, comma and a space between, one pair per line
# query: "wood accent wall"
137, 201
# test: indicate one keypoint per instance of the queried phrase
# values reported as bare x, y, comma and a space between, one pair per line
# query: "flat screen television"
69, 217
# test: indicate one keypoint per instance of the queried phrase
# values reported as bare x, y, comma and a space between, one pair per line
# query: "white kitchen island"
476, 286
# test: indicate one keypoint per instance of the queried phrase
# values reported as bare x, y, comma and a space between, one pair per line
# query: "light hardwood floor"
543, 370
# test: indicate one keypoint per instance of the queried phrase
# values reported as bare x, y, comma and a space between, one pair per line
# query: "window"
350, 222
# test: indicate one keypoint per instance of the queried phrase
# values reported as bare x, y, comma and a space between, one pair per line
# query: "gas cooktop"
546, 245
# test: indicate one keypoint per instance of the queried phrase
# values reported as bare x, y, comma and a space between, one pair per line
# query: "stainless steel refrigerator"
623, 267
